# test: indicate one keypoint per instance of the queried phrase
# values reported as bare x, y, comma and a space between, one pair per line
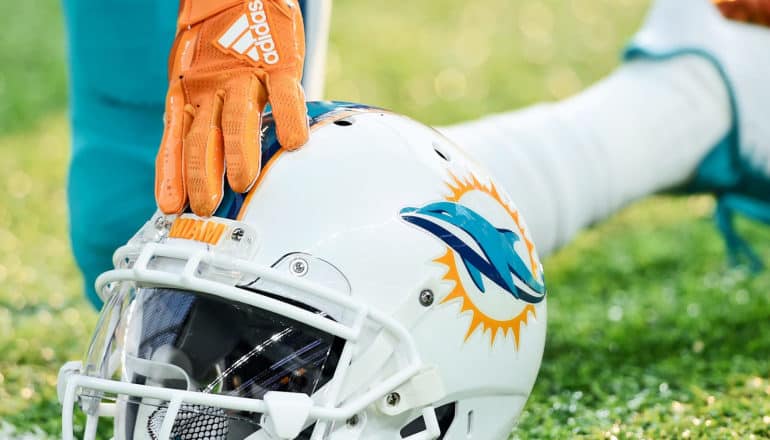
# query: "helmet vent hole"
470, 424
347, 122
440, 153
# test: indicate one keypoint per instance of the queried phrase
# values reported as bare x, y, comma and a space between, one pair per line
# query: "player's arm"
229, 59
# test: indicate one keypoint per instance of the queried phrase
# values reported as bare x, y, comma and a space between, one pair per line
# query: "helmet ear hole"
445, 414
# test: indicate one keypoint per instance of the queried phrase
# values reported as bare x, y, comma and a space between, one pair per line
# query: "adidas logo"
250, 36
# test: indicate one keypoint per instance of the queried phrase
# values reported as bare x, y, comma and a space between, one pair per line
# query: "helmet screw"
237, 234
353, 421
427, 297
392, 399
299, 267
161, 223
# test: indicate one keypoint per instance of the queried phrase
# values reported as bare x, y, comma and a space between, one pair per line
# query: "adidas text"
250, 35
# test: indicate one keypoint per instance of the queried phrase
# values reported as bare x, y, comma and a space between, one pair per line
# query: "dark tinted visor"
231, 348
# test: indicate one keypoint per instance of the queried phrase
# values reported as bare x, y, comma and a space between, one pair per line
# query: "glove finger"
289, 110
170, 193
241, 126
749, 11
204, 157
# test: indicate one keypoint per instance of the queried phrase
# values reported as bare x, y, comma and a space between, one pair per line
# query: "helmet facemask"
179, 353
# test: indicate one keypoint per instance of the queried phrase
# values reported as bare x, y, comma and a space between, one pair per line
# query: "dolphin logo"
499, 262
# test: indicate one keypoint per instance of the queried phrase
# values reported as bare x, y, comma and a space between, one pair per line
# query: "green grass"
32, 74
651, 336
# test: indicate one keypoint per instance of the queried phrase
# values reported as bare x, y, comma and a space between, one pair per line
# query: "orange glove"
749, 11
229, 58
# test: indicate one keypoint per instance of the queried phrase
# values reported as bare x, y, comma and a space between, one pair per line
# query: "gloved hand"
749, 11
229, 58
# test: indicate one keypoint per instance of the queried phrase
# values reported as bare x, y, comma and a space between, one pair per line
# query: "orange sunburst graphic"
458, 188
461, 187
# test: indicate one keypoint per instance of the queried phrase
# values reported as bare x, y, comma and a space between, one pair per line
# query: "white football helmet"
376, 284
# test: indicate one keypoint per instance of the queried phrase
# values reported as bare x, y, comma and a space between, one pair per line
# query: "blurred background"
651, 335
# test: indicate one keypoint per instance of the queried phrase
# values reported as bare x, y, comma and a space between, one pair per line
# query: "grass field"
651, 335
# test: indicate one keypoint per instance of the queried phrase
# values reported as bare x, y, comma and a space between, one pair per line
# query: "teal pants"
118, 51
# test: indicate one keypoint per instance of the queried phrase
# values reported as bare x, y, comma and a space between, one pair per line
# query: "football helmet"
377, 284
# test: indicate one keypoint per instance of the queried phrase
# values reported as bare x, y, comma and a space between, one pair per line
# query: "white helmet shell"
393, 241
